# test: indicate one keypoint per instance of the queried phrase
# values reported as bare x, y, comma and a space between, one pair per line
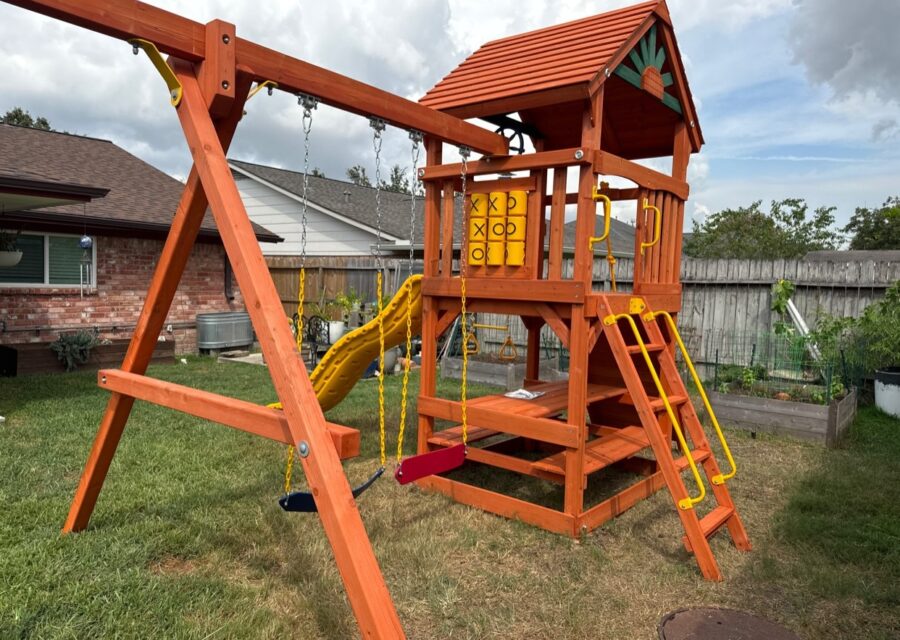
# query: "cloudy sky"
797, 98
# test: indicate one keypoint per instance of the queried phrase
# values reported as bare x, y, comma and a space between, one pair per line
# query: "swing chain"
464, 153
309, 104
416, 138
378, 126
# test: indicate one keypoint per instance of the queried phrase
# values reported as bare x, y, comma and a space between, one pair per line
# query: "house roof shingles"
140, 195
359, 206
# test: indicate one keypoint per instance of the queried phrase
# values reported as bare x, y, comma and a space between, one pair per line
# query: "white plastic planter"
10, 258
336, 329
887, 390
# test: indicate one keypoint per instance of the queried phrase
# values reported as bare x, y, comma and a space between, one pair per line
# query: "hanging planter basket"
10, 258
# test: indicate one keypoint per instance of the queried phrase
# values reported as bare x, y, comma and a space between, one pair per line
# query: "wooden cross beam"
187, 40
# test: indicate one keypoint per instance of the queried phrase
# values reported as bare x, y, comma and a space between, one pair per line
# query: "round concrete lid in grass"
709, 623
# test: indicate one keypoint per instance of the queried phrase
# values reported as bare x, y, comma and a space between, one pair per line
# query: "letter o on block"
517, 203
515, 228
496, 229
477, 253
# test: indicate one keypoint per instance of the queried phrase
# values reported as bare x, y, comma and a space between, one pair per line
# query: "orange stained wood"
187, 40
558, 56
169, 268
355, 559
238, 414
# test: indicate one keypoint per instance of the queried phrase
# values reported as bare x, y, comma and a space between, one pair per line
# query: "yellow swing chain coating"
416, 138
378, 126
308, 103
463, 260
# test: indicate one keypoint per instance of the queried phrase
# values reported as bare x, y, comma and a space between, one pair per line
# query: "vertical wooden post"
447, 215
340, 517
169, 268
431, 241
578, 328
533, 355
557, 223
681, 156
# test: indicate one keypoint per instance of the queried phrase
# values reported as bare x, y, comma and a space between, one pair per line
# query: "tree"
357, 175
789, 230
21, 117
316, 172
872, 229
397, 182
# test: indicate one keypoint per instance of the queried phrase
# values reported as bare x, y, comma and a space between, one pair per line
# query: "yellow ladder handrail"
718, 478
607, 212
657, 225
684, 503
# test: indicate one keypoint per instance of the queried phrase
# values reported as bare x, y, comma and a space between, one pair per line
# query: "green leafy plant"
74, 349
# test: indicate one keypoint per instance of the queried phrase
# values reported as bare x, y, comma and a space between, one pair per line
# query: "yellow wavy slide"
348, 358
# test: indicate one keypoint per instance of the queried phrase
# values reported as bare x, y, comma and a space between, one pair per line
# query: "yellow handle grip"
607, 210
657, 225
270, 84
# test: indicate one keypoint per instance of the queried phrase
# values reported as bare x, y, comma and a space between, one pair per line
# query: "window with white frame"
51, 260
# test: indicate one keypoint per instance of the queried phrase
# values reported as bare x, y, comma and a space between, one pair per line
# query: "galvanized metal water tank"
224, 330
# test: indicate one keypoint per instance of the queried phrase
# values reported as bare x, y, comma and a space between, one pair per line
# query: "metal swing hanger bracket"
172, 82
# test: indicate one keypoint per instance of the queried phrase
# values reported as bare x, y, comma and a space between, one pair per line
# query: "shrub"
74, 349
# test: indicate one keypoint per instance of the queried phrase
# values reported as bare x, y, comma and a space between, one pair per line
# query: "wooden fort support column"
337, 509
169, 268
578, 329
431, 247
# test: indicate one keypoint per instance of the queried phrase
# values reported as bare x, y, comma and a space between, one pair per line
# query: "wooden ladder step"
612, 446
699, 455
653, 346
674, 400
453, 436
711, 522
656, 403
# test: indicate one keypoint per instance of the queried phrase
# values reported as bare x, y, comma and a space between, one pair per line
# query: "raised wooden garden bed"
495, 372
820, 423
37, 357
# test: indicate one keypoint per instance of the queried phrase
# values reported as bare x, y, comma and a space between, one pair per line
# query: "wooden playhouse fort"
592, 96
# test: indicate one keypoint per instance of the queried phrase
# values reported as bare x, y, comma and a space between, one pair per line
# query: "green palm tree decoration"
648, 60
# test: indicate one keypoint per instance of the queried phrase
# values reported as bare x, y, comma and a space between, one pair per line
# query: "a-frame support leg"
341, 520
169, 269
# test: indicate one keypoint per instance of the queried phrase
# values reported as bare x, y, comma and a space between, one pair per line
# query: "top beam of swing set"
183, 38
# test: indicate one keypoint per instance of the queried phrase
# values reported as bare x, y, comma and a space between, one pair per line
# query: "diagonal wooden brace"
169, 269
341, 520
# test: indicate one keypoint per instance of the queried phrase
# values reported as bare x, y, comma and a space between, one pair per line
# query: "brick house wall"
124, 269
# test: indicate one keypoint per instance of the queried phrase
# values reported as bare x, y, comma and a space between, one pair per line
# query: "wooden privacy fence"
328, 276
733, 297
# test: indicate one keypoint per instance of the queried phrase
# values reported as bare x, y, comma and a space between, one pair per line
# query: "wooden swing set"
592, 96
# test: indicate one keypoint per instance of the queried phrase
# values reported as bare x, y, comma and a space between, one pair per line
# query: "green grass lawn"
188, 541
